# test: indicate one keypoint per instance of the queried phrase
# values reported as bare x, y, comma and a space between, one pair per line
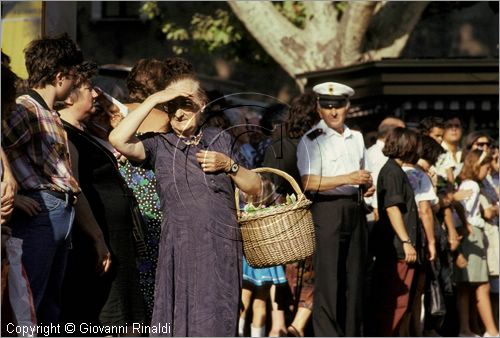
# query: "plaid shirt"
36, 144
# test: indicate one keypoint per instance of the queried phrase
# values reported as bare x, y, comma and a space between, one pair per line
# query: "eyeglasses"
453, 125
180, 102
329, 104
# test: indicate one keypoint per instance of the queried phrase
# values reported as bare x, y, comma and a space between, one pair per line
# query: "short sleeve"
426, 192
422, 186
391, 189
224, 143
308, 157
150, 144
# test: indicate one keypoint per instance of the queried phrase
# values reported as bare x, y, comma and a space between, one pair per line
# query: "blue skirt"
262, 276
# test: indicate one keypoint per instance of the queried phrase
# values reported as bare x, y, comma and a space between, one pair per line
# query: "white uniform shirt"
332, 154
376, 160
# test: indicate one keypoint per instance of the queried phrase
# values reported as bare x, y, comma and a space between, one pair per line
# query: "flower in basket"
250, 209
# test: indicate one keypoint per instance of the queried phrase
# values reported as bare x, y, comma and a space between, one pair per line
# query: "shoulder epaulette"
315, 133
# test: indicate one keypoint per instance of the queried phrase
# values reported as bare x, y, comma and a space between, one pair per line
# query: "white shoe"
486, 334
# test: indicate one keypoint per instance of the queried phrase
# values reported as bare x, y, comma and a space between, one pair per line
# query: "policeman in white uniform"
332, 162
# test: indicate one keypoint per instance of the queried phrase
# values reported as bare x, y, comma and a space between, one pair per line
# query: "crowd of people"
127, 211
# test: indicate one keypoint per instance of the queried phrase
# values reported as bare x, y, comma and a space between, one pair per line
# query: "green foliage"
294, 11
213, 28
149, 10
214, 31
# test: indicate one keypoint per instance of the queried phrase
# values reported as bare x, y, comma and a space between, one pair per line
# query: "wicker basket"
280, 235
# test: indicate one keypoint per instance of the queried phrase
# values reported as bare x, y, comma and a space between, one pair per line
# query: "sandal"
293, 332
282, 333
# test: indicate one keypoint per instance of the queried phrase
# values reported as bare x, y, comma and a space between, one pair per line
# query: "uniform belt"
327, 198
69, 196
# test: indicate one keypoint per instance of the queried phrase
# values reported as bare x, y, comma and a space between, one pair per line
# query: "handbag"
437, 303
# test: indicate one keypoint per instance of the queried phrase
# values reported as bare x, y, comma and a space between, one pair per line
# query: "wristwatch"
408, 241
233, 169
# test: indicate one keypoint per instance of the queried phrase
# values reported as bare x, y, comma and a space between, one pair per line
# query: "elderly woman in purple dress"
198, 278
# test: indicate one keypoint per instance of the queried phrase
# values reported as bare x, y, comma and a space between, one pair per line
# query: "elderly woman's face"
184, 112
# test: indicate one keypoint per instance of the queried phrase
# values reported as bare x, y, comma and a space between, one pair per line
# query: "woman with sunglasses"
480, 140
198, 278
473, 280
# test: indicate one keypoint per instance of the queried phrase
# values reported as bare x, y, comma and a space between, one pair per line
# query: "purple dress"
198, 278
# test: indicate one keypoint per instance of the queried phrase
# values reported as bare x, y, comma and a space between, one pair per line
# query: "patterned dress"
143, 184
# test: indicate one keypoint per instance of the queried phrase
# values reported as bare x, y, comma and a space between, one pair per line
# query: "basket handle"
278, 172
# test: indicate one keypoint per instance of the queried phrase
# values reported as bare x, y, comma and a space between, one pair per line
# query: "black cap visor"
332, 101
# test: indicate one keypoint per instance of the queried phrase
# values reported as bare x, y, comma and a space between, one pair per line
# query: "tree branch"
323, 17
279, 37
393, 24
353, 26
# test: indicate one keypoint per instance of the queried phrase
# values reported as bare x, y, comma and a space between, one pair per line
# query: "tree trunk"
279, 37
391, 27
367, 30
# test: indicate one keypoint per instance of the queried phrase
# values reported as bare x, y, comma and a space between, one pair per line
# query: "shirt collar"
39, 99
331, 132
380, 144
177, 142
445, 146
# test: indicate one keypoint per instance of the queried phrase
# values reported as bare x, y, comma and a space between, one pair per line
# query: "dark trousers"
339, 264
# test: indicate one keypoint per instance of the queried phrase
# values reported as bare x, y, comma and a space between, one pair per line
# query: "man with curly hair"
37, 148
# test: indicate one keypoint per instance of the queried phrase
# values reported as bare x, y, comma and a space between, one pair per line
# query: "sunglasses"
329, 104
483, 144
180, 102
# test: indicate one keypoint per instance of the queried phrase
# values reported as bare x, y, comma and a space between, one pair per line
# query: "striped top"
36, 144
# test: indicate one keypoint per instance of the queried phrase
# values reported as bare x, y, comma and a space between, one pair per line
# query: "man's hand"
5, 212
103, 257
212, 161
360, 177
27, 204
9, 189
